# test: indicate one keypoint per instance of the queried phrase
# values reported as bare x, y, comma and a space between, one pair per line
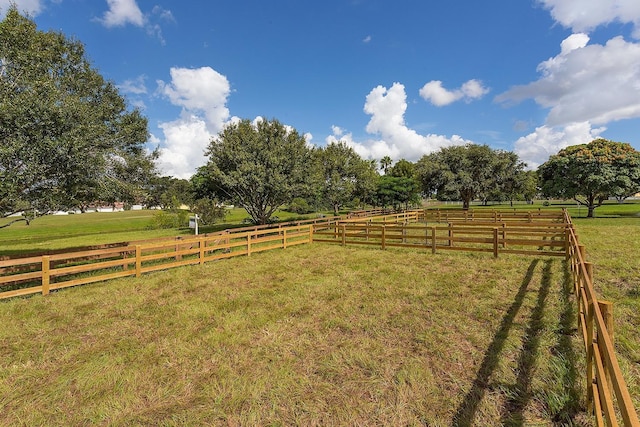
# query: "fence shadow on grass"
465, 413
568, 405
520, 395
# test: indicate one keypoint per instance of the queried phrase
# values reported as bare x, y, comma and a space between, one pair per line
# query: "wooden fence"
518, 235
604, 379
49, 272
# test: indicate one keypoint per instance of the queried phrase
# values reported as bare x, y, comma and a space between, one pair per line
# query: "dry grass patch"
313, 335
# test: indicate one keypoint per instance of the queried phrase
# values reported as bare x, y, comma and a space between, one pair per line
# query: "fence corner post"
46, 274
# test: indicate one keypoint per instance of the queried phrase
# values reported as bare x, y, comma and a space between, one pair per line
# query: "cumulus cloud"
201, 90
32, 7
134, 86
535, 148
185, 140
122, 12
585, 15
396, 140
202, 93
584, 82
435, 93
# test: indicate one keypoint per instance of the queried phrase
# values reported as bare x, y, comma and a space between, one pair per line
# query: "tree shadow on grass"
467, 409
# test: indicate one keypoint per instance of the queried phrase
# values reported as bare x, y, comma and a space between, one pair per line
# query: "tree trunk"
590, 210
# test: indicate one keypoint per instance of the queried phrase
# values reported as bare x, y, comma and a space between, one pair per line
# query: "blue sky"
401, 78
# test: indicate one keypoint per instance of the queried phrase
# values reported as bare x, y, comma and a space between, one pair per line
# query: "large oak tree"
259, 166
343, 175
590, 173
468, 172
67, 138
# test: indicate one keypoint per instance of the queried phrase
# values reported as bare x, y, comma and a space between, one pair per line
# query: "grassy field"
317, 335
314, 335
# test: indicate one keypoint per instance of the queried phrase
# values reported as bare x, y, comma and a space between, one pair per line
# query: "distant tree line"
69, 141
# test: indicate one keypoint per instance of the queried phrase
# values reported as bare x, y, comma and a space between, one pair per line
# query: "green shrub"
169, 219
299, 206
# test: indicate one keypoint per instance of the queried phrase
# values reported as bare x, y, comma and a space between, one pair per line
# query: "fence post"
46, 277
249, 243
450, 234
567, 243
178, 256
384, 236
138, 260
311, 228
284, 238
201, 245
504, 234
495, 242
344, 234
606, 308
433, 239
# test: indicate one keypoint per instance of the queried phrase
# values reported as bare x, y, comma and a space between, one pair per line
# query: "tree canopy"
258, 166
590, 173
343, 175
67, 137
468, 172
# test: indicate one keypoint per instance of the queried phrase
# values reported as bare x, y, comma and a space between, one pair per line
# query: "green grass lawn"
316, 334
312, 335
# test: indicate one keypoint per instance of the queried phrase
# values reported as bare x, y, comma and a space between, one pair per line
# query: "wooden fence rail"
604, 379
50, 272
541, 238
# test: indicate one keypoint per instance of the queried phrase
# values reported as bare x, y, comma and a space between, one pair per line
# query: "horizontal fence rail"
604, 380
59, 271
539, 238
43, 272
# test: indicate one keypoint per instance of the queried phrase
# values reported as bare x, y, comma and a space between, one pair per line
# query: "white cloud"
535, 148
202, 93
593, 83
586, 15
32, 7
386, 108
202, 90
366, 39
122, 12
135, 86
185, 140
435, 93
